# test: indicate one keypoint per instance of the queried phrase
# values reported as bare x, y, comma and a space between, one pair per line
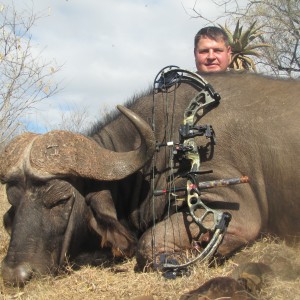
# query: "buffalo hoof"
219, 287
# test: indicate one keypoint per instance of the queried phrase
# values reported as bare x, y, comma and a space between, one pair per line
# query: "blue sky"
110, 49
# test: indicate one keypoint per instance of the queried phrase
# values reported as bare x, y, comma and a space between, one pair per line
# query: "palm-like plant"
242, 46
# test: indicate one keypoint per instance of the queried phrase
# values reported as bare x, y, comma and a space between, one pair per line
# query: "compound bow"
187, 149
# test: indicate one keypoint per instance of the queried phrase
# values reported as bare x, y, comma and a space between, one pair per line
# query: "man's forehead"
206, 39
211, 43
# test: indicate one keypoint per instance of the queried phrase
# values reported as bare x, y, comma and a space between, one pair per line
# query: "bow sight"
173, 264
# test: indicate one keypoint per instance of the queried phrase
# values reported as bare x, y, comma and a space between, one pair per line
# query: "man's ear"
229, 50
104, 222
229, 55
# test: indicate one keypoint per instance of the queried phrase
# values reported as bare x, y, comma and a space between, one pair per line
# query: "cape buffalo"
67, 190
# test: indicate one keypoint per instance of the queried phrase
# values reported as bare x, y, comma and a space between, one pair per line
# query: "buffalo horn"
12, 157
66, 153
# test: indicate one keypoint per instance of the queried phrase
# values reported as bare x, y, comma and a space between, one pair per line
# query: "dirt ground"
120, 281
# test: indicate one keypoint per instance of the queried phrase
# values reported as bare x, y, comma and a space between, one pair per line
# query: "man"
212, 50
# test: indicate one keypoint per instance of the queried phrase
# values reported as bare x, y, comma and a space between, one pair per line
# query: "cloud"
111, 49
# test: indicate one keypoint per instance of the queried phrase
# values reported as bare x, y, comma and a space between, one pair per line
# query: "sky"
110, 49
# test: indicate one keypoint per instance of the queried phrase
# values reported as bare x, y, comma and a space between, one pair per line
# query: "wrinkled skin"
257, 128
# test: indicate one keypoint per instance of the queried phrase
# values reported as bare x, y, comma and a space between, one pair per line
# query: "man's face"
211, 55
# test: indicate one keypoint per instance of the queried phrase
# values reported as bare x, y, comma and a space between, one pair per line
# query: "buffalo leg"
177, 233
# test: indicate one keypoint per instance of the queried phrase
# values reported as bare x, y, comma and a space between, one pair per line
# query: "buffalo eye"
56, 193
62, 201
59, 202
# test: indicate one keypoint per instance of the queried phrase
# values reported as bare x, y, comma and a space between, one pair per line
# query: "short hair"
212, 32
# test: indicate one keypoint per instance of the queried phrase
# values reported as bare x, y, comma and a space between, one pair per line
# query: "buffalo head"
59, 186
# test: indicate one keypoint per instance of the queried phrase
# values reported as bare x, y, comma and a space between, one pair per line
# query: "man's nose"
211, 54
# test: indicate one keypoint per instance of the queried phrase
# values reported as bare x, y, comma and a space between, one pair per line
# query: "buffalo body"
59, 208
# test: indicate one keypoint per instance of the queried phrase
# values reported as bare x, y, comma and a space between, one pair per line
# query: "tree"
25, 79
242, 46
73, 118
281, 29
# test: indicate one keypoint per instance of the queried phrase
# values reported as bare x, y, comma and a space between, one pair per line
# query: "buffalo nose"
16, 276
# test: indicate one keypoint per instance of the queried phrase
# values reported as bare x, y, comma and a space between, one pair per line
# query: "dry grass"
122, 282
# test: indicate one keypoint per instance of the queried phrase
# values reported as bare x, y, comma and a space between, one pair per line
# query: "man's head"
211, 49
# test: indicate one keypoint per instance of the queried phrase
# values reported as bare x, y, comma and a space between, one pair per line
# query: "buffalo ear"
105, 223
